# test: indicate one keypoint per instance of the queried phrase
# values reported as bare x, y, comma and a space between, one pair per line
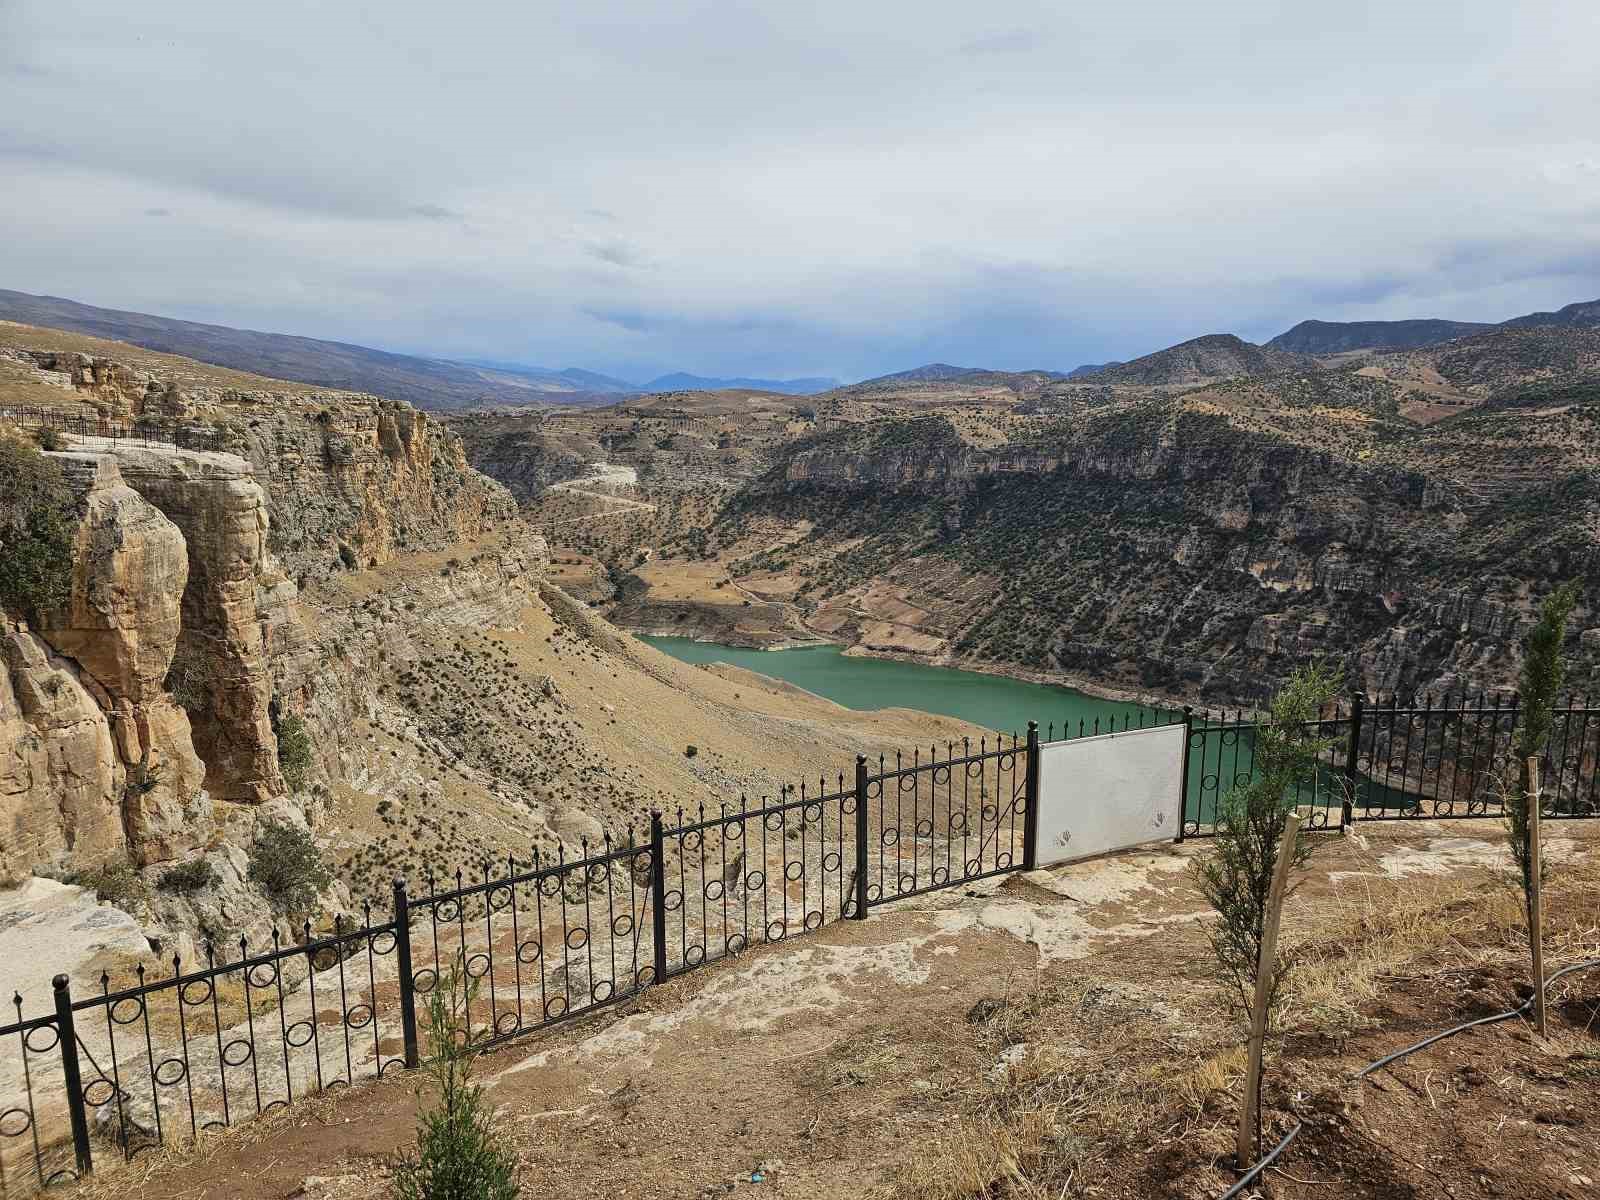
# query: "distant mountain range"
937, 373
1337, 337
681, 382
425, 382
1223, 354
1092, 369
448, 384
1202, 358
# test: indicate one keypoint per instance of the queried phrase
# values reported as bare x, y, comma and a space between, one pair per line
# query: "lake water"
992, 701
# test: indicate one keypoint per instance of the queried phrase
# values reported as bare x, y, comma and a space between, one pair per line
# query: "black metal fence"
142, 431
1393, 760
532, 943
528, 944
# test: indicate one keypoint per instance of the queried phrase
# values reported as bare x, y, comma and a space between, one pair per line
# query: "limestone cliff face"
60, 774
232, 589
96, 758
351, 479
1175, 550
357, 481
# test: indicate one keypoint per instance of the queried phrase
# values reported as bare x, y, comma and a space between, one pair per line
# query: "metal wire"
1266, 1162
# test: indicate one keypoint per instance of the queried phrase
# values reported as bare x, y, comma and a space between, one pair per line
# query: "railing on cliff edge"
537, 942
142, 431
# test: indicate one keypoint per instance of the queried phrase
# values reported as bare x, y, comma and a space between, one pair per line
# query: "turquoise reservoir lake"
992, 701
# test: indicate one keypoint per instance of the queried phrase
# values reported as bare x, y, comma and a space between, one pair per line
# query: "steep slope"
1339, 337
1198, 545
1214, 356
1485, 364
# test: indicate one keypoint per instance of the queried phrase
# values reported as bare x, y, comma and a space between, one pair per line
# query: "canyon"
1152, 530
326, 620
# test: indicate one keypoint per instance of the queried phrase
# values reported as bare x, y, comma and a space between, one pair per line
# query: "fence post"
1183, 775
1266, 968
1358, 706
408, 991
70, 1074
1534, 801
860, 913
658, 895
1030, 824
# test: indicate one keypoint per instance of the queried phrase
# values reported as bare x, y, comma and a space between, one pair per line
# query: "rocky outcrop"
61, 777
234, 597
97, 759
356, 481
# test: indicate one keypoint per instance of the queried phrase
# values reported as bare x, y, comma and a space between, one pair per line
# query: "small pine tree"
1543, 672
459, 1155
1237, 876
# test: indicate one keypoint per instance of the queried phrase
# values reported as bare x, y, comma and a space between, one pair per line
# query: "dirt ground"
1057, 1033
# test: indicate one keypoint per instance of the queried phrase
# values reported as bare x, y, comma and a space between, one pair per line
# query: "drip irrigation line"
1250, 1176
1491, 1020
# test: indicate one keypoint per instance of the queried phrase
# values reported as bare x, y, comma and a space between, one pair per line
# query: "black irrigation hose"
1266, 1162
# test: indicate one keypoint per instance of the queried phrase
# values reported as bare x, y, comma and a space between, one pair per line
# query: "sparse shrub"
690, 751
295, 750
36, 532
51, 439
459, 1155
188, 878
287, 866
116, 881
348, 557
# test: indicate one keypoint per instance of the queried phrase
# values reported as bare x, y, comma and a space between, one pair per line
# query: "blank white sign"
1099, 794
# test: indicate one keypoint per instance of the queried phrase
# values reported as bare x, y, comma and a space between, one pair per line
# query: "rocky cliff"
153, 695
96, 757
1198, 547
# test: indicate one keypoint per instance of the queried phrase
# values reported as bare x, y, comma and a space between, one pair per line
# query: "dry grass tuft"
1092, 1065
1377, 932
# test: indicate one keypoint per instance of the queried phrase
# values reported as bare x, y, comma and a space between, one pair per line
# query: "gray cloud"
158, 212
1013, 41
813, 189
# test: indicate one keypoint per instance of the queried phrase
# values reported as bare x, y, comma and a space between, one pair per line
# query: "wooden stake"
1536, 895
1248, 1112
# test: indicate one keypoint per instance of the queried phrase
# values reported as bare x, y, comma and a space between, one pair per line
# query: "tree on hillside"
37, 519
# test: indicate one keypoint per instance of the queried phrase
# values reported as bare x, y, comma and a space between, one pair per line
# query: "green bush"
459, 1155
294, 751
116, 881
37, 519
188, 878
286, 865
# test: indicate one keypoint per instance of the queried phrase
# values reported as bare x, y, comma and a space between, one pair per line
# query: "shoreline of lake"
869, 681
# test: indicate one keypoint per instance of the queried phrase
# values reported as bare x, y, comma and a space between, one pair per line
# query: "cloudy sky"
835, 187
